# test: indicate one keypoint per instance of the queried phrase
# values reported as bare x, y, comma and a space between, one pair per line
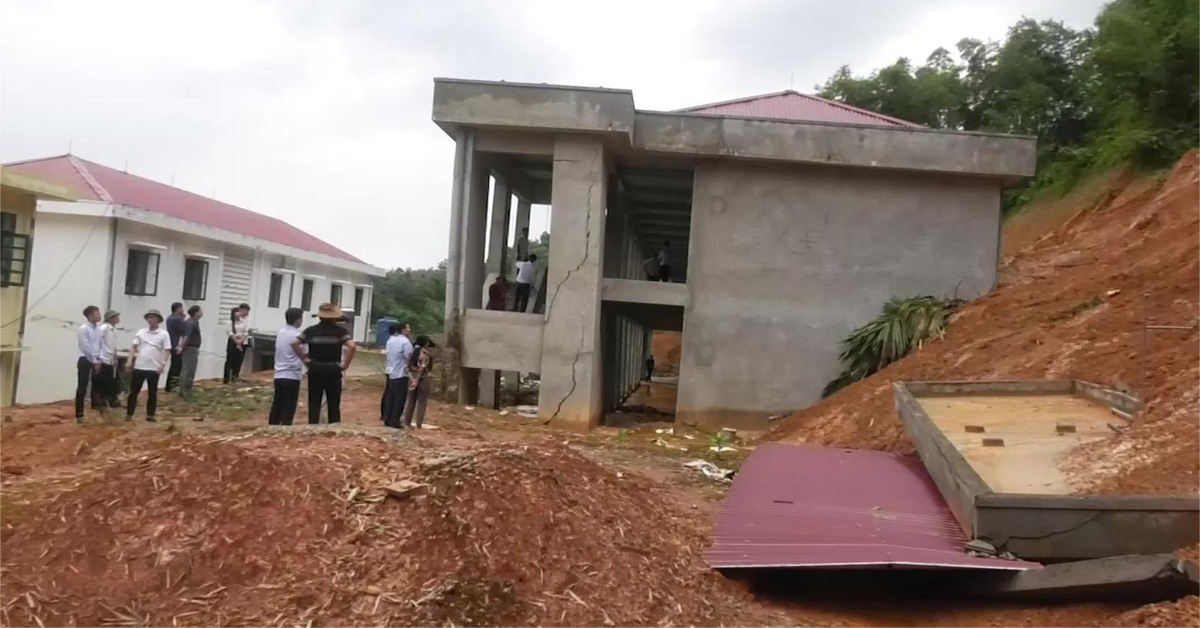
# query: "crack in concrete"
587, 241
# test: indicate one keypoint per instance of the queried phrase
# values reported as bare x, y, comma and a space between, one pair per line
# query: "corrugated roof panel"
135, 191
796, 107
807, 506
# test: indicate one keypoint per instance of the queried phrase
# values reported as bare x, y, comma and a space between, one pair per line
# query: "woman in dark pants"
235, 348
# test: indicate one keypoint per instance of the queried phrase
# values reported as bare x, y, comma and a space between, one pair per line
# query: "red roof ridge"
77, 163
738, 100
34, 159
868, 112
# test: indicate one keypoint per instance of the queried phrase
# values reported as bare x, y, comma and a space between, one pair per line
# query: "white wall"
67, 272
48, 368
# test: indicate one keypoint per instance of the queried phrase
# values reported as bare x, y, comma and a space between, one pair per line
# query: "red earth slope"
1070, 305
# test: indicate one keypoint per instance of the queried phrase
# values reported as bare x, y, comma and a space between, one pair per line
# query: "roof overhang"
34, 187
540, 111
155, 219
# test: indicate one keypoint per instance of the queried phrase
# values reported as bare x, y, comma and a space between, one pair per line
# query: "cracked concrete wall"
786, 261
571, 376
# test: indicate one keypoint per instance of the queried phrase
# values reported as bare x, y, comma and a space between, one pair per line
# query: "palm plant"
903, 326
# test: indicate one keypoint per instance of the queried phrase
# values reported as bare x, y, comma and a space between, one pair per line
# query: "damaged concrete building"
791, 221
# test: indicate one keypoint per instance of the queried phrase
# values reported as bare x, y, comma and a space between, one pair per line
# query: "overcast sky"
319, 112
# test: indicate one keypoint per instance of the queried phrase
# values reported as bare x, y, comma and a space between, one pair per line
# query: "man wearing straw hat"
148, 359
325, 361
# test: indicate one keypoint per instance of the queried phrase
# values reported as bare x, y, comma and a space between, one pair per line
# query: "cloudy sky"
319, 112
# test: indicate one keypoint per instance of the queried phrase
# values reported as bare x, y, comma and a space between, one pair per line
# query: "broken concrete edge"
954, 477
1127, 405
1151, 577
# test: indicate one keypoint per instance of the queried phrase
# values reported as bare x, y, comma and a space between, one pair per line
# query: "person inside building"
107, 379
189, 351
526, 274
88, 364
498, 294
523, 245
175, 322
420, 366
239, 338
399, 349
649, 367
325, 361
289, 369
664, 262
651, 268
147, 361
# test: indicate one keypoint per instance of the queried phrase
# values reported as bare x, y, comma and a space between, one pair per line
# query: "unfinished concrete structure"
1010, 491
785, 234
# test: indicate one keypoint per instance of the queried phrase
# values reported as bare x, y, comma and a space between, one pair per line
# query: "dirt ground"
226, 521
1071, 305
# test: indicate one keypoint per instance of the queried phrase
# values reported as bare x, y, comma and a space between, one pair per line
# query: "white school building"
131, 244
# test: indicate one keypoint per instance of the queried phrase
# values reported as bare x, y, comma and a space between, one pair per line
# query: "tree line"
1122, 92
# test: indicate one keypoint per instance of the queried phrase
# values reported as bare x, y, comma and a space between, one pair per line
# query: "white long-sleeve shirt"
89, 342
108, 343
399, 349
239, 330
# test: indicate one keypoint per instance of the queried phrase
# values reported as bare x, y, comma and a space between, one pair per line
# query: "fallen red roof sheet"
100, 183
807, 506
796, 107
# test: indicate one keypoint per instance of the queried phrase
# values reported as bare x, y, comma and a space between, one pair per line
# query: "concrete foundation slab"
1142, 577
1014, 496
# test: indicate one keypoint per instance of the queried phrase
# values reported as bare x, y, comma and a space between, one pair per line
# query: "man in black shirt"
325, 361
175, 323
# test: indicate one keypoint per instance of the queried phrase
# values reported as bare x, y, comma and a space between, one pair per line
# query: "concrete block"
1064, 428
993, 442
1141, 577
974, 429
405, 489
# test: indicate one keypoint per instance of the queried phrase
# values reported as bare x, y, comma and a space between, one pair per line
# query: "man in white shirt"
289, 370
106, 379
399, 351
148, 359
88, 364
526, 274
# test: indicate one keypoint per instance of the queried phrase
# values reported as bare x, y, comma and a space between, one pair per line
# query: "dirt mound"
1185, 612
1071, 305
296, 529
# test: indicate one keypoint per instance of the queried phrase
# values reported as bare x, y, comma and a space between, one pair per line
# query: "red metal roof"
101, 183
797, 107
807, 506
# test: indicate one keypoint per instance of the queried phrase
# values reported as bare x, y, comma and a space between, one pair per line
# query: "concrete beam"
898, 148
650, 292
571, 385
1145, 578
497, 259
547, 108
515, 143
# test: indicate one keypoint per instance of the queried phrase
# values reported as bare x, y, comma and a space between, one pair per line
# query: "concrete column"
474, 237
571, 356
462, 148
523, 206
497, 262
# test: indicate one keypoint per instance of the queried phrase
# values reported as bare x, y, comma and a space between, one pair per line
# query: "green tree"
416, 296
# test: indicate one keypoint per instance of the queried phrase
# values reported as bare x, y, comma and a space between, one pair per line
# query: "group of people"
409, 365
153, 347
658, 266
526, 275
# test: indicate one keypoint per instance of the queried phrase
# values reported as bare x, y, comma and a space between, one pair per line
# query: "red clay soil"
288, 530
666, 347
1070, 306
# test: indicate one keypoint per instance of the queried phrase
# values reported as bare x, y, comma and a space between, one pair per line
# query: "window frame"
360, 295
275, 290
203, 282
335, 287
147, 291
306, 293
10, 243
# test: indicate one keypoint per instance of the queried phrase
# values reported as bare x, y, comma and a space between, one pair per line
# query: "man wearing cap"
325, 361
148, 359
107, 377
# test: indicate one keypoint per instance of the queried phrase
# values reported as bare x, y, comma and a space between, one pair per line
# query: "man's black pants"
233, 361
324, 380
83, 377
283, 404
383, 399
173, 372
397, 395
150, 378
522, 300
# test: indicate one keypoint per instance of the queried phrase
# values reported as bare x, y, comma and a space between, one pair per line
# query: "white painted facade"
81, 258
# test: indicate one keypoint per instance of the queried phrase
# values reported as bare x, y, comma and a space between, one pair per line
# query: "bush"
902, 326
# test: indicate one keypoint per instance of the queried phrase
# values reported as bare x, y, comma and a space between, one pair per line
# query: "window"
14, 252
141, 273
276, 290
335, 294
195, 279
358, 301
306, 295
